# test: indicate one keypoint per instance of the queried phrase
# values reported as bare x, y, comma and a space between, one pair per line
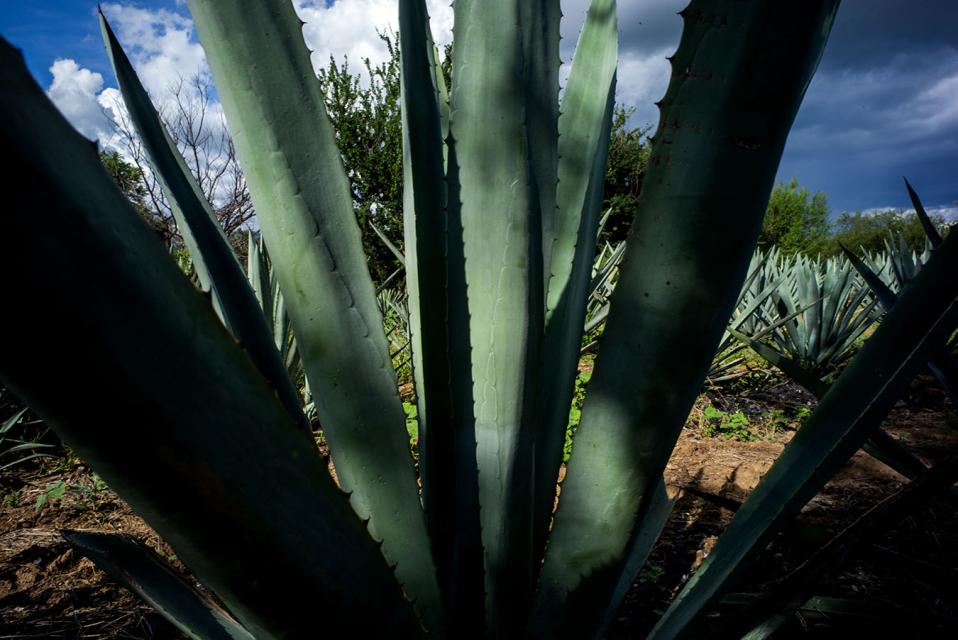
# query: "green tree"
365, 114
629, 151
131, 181
870, 230
796, 220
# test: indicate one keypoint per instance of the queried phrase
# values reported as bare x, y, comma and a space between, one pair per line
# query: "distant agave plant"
819, 309
898, 264
183, 404
605, 275
890, 273
755, 296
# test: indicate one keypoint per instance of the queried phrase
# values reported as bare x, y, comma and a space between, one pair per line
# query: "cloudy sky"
883, 105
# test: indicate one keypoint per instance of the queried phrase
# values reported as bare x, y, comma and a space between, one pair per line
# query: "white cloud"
642, 80
349, 28
160, 43
949, 213
74, 91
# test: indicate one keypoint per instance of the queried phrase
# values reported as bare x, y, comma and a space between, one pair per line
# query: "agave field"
522, 432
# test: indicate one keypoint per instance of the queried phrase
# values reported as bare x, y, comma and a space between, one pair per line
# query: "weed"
53, 493
729, 426
412, 428
777, 420
575, 413
652, 574
12, 498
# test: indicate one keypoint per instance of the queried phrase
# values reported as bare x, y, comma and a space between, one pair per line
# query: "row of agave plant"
810, 312
183, 400
801, 313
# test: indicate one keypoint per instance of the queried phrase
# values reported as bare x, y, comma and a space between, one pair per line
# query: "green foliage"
23, 437
53, 493
128, 177
365, 115
629, 152
870, 231
412, 422
498, 284
728, 426
12, 498
575, 413
796, 220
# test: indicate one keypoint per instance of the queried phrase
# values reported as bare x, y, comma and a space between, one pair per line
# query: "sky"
883, 105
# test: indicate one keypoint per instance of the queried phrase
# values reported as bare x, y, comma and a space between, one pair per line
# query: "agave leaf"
33, 456
602, 222
258, 272
738, 77
789, 367
888, 450
449, 488
939, 363
539, 27
930, 231
584, 130
853, 407
879, 444
789, 592
503, 275
442, 93
393, 249
653, 521
10, 422
216, 265
598, 318
146, 344
142, 572
288, 151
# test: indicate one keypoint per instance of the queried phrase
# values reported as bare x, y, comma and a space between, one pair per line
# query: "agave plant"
821, 308
262, 280
898, 264
183, 410
887, 276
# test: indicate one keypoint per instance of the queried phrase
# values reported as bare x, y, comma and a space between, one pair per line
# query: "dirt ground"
907, 577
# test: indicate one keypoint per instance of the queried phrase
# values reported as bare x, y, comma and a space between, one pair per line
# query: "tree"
134, 184
796, 221
629, 151
368, 128
127, 177
209, 153
870, 230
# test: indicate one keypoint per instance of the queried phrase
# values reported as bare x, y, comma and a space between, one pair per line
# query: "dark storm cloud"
870, 33
884, 102
883, 105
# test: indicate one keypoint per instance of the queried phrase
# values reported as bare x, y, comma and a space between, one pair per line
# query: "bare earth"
48, 591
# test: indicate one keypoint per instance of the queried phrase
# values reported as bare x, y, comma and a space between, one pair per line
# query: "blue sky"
883, 105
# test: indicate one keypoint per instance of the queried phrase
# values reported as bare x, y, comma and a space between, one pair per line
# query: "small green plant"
575, 413
412, 422
652, 574
777, 420
728, 426
53, 493
12, 498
